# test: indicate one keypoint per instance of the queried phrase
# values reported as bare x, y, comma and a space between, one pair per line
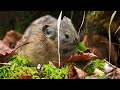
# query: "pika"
42, 36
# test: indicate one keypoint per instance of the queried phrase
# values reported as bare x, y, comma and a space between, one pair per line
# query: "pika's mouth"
67, 48
66, 52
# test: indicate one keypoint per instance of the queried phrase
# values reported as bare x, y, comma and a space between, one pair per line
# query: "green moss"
98, 63
17, 60
20, 66
51, 72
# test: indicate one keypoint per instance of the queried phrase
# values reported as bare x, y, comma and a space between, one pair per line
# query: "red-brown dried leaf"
117, 73
80, 73
5, 52
4, 49
81, 57
11, 38
73, 73
25, 77
76, 73
5, 57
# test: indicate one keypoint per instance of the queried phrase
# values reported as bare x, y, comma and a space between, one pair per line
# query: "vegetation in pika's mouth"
80, 46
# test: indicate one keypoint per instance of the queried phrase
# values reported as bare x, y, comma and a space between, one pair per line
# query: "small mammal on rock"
42, 35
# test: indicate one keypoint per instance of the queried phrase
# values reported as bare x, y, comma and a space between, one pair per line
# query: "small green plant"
51, 72
95, 64
4, 72
17, 60
20, 66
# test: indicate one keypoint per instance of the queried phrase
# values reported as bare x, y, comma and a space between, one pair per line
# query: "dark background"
20, 20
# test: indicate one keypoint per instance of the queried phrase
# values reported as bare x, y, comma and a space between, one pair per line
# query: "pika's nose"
76, 40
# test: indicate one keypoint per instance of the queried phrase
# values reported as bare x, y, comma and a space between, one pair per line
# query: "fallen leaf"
76, 73
107, 67
118, 71
4, 49
25, 77
98, 72
11, 38
73, 73
5, 52
81, 57
117, 74
80, 73
5, 57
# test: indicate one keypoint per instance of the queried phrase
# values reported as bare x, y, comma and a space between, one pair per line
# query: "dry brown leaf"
73, 73
6, 56
81, 57
25, 77
11, 38
5, 52
76, 73
80, 73
118, 72
4, 49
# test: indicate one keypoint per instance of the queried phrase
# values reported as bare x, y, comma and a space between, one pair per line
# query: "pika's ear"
66, 19
67, 23
47, 31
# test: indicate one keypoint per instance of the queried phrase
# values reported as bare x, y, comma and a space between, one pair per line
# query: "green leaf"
81, 47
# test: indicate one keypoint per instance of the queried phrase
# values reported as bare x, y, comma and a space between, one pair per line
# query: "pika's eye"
66, 35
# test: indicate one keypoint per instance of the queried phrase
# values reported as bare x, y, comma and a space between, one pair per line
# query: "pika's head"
68, 37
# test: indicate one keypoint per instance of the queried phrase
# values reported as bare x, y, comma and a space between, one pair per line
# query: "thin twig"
87, 65
110, 64
21, 46
5, 64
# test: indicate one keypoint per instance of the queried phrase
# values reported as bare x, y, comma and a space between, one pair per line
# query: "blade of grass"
58, 27
109, 33
117, 29
81, 23
71, 15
